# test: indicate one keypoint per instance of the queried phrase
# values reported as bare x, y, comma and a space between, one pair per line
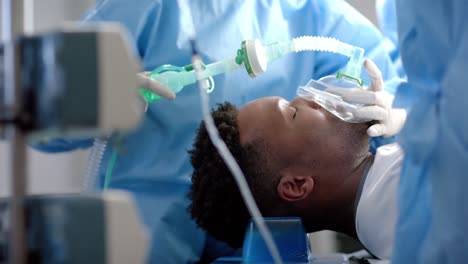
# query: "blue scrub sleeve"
141, 21
386, 14
432, 200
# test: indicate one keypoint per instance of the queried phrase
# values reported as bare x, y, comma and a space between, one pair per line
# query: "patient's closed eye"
295, 112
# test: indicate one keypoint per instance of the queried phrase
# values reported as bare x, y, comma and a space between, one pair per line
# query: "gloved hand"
377, 104
154, 86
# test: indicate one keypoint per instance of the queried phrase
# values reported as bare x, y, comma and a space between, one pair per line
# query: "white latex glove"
154, 86
377, 104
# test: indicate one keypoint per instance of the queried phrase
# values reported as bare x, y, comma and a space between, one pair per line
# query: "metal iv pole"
12, 23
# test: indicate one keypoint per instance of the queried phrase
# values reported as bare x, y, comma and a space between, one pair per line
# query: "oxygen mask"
315, 90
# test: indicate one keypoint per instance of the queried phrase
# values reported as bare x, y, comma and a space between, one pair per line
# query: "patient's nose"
301, 101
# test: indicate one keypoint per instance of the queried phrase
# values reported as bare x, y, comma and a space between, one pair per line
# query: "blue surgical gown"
152, 162
386, 14
433, 197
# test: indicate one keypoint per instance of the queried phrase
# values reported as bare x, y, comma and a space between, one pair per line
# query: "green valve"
149, 96
188, 67
359, 81
240, 56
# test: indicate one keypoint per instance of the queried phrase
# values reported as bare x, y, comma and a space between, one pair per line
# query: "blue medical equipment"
292, 240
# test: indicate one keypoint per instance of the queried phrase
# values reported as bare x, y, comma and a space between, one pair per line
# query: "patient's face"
300, 132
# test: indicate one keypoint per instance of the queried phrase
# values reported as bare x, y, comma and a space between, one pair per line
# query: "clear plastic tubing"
279, 49
308, 43
176, 81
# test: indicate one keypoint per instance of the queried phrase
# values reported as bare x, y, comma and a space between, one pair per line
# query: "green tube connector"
149, 96
353, 68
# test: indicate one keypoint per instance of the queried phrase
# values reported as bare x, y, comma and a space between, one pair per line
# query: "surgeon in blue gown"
152, 161
433, 198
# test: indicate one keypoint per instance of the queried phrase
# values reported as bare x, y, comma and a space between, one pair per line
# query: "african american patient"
299, 160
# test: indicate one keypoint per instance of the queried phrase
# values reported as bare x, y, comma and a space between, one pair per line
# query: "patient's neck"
339, 212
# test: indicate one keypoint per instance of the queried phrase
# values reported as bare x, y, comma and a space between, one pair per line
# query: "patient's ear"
295, 187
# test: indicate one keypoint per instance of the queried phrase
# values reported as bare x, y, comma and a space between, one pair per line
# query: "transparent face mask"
315, 90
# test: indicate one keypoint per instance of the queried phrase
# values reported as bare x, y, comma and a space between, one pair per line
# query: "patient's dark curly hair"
217, 205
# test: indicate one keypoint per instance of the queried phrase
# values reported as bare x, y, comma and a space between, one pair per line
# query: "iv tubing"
233, 166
